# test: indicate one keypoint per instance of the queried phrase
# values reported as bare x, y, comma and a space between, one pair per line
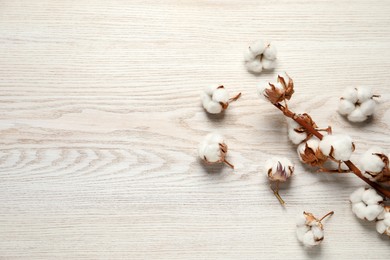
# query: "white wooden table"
100, 119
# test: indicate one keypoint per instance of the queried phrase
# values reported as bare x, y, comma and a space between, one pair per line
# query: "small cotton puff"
279, 169
338, 146
309, 230
366, 203
357, 104
215, 99
383, 222
260, 56
209, 149
370, 163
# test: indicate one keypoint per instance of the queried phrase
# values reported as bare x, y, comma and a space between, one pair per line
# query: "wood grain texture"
100, 120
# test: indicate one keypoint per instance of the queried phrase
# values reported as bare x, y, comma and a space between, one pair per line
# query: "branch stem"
327, 215
228, 163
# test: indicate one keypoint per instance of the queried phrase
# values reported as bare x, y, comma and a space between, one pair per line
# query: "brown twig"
350, 165
327, 215
228, 163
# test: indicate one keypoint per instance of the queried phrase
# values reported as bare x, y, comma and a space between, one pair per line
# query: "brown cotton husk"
308, 120
276, 95
288, 87
313, 157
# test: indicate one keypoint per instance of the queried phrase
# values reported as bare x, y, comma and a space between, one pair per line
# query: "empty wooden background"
100, 119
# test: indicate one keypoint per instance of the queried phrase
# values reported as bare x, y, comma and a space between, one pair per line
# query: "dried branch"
312, 130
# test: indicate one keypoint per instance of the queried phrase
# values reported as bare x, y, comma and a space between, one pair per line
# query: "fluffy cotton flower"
310, 230
383, 222
215, 99
366, 203
213, 149
338, 146
309, 152
278, 91
259, 56
374, 164
357, 104
279, 169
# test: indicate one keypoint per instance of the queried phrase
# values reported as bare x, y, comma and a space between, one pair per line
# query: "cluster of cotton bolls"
367, 204
314, 148
260, 55
315, 152
357, 104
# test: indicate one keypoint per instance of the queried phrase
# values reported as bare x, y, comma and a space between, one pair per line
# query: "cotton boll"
371, 162
215, 99
268, 64
366, 203
213, 149
345, 107
270, 52
357, 104
257, 47
213, 152
357, 115
279, 168
310, 231
309, 153
254, 66
339, 146
260, 56
364, 93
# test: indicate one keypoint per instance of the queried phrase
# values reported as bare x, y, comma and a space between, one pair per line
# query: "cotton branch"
282, 91
313, 131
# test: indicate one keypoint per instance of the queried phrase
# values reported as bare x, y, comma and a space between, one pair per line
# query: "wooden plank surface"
100, 118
